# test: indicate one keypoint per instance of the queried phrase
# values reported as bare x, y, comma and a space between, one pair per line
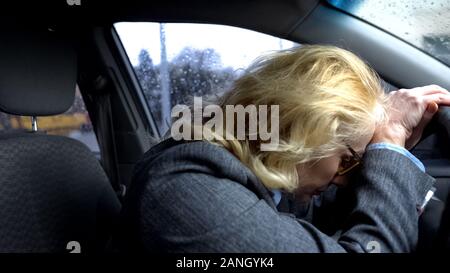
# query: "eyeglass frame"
356, 158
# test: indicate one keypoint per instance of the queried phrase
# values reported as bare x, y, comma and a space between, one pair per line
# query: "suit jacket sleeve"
190, 209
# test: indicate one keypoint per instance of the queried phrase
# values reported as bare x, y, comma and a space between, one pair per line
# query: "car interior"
55, 191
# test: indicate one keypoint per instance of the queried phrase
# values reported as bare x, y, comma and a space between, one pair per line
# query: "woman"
226, 194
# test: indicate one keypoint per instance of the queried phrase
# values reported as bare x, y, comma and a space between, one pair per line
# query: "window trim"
135, 82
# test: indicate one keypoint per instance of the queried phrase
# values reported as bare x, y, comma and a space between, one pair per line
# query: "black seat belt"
105, 129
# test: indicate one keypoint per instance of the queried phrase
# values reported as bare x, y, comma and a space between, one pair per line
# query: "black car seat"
54, 194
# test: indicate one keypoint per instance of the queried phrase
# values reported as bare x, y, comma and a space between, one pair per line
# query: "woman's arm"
191, 205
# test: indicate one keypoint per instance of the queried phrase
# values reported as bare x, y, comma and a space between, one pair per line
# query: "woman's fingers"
417, 132
412, 109
429, 89
440, 99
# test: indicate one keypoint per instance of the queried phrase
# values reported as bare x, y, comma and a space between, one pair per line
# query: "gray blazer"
198, 197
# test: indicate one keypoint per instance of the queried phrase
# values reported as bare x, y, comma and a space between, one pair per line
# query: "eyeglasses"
349, 164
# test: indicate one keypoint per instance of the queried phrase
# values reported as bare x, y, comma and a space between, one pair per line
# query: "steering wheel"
434, 223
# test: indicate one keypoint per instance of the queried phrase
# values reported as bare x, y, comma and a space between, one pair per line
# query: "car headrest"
37, 73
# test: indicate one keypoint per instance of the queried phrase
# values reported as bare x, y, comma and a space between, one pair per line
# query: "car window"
424, 24
175, 61
74, 123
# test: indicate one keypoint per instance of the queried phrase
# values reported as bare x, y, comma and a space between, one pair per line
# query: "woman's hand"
409, 111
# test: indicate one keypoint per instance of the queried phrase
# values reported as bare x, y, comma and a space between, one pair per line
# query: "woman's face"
315, 178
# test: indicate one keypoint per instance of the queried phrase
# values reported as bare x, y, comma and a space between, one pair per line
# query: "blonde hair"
328, 98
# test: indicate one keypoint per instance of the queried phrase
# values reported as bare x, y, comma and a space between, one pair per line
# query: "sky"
237, 47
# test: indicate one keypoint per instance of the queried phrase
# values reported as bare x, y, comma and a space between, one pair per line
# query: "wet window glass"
424, 24
176, 61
